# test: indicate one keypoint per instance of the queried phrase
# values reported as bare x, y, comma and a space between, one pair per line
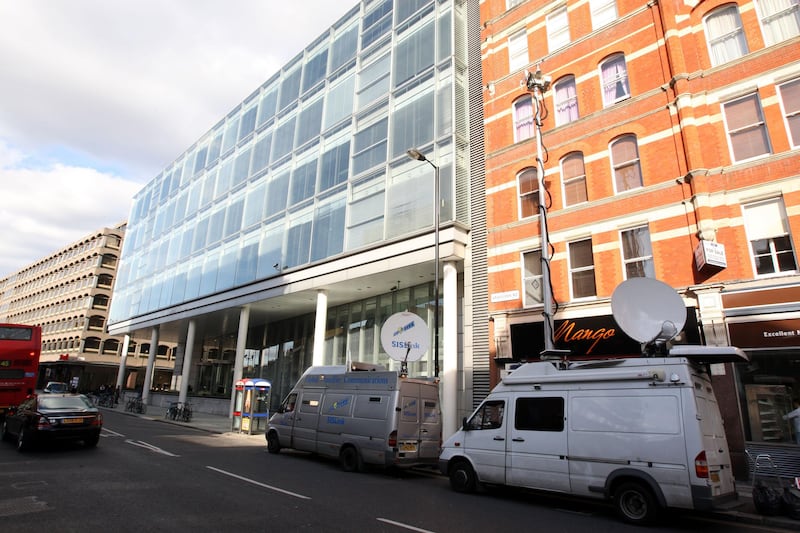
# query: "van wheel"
273, 444
350, 459
636, 504
462, 477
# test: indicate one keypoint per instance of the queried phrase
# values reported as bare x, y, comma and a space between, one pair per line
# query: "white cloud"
102, 95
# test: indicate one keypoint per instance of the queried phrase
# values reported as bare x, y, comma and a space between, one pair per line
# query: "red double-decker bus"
20, 349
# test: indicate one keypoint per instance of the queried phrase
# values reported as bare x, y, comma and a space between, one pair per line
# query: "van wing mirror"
464, 424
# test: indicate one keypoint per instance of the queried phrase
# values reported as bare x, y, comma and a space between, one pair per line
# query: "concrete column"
123, 360
449, 373
187, 362
319, 328
151, 362
241, 344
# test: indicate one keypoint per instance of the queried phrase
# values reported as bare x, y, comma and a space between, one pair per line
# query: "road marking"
17, 506
150, 447
254, 482
406, 526
113, 433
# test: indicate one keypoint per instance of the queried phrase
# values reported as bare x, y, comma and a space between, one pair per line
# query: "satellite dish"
405, 337
648, 310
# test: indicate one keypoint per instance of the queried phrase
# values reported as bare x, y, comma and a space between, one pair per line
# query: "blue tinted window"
233, 218
376, 23
248, 123
414, 54
261, 154
241, 168
298, 242
309, 123
254, 205
284, 137
278, 192
214, 148
406, 8
266, 108
369, 147
200, 159
314, 70
247, 263
328, 237
215, 226
333, 169
412, 125
344, 48
290, 88
231, 132
304, 178
200, 233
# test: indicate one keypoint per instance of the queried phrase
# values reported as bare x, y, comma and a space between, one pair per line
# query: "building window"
573, 176
528, 187
581, 269
767, 230
637, 253
780, 19
725, 35
603, 12
746, 129
625, 163
566, 100
523, 118
558, 29
532, 278
513, 3
614, 75
790, 102
518, 51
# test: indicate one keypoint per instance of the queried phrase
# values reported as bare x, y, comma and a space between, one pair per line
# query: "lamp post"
413, 153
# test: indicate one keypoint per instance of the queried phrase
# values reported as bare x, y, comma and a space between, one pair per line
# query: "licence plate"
408, 447
714, 477
72, 421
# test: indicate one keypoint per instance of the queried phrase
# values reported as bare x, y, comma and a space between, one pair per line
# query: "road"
151, 476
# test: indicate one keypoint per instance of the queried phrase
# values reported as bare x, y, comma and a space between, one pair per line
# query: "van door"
537, 447
306, 418
485, 440
419, 426
720, 473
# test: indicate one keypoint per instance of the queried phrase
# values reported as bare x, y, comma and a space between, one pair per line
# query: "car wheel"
350, 459
273, 444
23, 441
462, 477
91, 442
636, 504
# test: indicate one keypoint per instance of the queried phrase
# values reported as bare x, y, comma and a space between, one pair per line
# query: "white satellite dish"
648, 310
405, 337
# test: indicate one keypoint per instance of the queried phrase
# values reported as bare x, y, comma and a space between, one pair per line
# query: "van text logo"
568, 333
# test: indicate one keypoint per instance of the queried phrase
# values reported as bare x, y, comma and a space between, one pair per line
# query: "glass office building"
303, 201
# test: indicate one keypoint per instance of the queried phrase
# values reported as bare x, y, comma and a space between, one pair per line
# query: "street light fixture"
413, 153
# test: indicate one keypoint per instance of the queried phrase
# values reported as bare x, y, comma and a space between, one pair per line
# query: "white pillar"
241, 344
151, 362
319, 328
450, 348
123, 360
187, 362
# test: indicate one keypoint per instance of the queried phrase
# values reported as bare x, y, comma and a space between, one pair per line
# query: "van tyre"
636, 504
273, 444
350, 459
462, 477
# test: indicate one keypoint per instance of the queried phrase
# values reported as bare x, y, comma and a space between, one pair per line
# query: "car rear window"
64, 402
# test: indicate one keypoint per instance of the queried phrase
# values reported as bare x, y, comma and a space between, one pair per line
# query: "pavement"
742, 510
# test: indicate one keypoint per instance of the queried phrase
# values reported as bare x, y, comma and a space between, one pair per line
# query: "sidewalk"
742, 510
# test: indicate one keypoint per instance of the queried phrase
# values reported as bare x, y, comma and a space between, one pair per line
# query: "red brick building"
671, 149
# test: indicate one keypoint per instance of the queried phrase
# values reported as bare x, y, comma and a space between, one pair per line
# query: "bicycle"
172, 411
136, 405
184, 412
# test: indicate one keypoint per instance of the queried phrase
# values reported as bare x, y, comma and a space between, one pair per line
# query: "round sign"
405, 337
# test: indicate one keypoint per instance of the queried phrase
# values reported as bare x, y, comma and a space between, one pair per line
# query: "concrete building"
67, 293
292, 229
669, 148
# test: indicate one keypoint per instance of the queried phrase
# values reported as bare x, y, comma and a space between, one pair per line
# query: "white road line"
150, 447
405, 526
254, 482
113, 433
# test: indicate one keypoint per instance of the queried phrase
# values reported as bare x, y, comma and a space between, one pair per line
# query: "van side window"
288, 404
539, 414
489, 416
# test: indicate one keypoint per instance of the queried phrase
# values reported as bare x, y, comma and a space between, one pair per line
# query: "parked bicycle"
136, 405
106, 400
181, 412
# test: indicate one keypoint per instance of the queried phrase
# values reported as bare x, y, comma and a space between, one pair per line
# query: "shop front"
765, 323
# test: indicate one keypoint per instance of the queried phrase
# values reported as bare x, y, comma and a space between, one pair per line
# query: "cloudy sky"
97, 96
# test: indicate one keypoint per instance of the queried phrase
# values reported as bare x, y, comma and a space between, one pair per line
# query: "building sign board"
710, 253
765, 334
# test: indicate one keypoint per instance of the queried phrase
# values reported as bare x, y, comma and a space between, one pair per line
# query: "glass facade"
310, 166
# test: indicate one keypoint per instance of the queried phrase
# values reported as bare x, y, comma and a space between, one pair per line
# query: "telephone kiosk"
251, 405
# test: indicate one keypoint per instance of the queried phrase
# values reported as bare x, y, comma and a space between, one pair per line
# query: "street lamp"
413, 153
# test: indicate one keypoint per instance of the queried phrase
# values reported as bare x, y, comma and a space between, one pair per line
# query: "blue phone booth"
251, 405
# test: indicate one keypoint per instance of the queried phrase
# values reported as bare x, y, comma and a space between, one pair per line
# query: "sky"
97, 96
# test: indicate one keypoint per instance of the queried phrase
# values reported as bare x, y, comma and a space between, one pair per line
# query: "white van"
360, 417
645, 433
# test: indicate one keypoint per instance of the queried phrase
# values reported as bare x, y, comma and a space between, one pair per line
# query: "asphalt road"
151, 476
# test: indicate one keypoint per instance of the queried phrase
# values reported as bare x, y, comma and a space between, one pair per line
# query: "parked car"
53, 417
56, 387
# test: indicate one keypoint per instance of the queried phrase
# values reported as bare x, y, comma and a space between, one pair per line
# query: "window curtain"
781, 19
725, 36
615, 80
523, 118
566, 102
